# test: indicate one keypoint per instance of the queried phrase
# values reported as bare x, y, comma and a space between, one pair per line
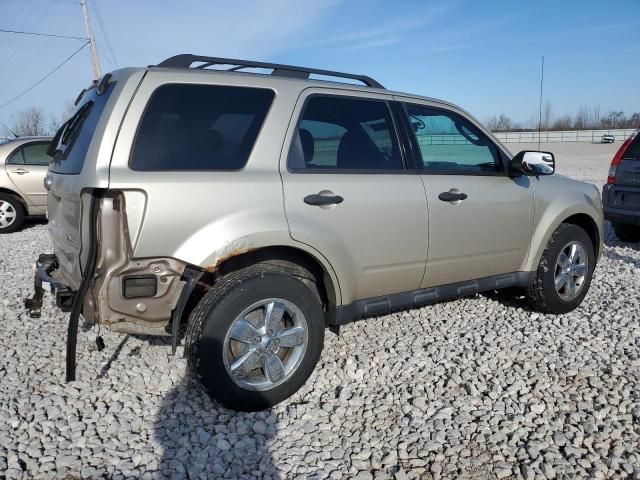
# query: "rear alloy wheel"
11, 213
255, 337
265, 344
627, 233
564, 273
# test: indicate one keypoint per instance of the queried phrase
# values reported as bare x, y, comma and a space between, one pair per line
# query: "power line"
44, 78
42, 34
104, 31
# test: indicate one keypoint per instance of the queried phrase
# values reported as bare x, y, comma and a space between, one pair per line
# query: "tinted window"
36, 154
16, 157
199, 127
451, 144
345, 133
72, 141
633, 150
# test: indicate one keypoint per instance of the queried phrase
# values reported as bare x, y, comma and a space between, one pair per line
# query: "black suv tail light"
617, 158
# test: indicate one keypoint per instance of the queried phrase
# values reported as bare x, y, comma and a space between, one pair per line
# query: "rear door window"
341, 133
633, 150
30, 154
71, 144
36, 154
199, 127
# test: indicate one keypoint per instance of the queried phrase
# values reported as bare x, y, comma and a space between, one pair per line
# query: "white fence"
563, 136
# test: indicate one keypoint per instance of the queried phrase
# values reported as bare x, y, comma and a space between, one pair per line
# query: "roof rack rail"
186, 60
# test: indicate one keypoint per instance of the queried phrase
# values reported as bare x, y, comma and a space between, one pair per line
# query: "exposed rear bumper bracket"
42, 281
191, 276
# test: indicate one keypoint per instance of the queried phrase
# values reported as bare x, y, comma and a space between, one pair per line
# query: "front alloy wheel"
571, 270
564, 273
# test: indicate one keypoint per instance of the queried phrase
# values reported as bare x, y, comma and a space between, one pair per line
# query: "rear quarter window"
74, 137
199, 127
633, 151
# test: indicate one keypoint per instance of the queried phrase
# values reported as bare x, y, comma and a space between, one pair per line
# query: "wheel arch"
15, 194
580, 218
589, 225
295, 261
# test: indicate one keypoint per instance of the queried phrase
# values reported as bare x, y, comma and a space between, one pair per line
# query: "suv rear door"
480, 219
348, 194
83, 149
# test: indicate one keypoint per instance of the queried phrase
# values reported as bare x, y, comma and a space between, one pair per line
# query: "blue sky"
481, 55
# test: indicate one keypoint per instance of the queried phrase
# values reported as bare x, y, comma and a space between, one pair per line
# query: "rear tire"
261, 369
626, 233
559, 284
11, 213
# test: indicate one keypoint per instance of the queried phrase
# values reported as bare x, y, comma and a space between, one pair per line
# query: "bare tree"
547, 115
563, 122
56, 122
491, 123
583, 118
30, 122
596, 116
615, 118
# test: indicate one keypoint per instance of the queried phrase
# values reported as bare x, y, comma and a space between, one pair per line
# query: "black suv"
621, 194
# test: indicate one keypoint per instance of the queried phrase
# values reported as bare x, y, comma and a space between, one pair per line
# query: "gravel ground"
477, 388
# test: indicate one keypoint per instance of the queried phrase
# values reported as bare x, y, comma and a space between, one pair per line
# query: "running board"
371, 307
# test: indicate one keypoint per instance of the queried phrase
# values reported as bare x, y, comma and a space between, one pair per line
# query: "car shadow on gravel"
613, 255
202, 439
509, 297
32, 222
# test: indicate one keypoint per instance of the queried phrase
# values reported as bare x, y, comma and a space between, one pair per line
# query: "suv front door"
27, 167
480, 219
348, 194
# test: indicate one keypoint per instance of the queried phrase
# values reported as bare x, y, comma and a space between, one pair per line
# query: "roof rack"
186, 60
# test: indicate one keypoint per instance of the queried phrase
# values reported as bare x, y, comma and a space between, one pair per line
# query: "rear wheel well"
294, 261
16, 195
589, 225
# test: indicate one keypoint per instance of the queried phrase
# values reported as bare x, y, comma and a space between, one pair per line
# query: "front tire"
626, 233
565, 271
11, 213
255, 338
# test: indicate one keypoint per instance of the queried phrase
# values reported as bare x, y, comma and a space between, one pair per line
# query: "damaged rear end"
92, 270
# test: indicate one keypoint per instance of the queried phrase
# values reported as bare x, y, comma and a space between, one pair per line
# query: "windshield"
71, 143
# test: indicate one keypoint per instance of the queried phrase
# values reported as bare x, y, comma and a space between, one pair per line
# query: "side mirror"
532, 164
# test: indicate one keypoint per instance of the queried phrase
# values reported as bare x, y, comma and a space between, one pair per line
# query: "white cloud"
374, 32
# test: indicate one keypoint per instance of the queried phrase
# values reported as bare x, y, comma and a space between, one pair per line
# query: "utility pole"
92, 42
539, 118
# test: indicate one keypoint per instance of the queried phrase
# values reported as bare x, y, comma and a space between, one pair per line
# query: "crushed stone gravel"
476, 388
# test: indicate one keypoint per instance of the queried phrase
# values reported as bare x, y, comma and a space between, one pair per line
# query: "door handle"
452, 196
20, 171
321, 200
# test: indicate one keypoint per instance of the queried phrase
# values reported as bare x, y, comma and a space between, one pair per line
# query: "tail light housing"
617, 158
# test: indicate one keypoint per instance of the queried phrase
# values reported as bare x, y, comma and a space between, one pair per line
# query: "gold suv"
262, 208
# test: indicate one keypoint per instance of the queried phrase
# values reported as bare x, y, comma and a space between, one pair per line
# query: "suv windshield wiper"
67, 133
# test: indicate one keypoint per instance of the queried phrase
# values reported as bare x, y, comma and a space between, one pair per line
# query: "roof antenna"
11, 131
540, 117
